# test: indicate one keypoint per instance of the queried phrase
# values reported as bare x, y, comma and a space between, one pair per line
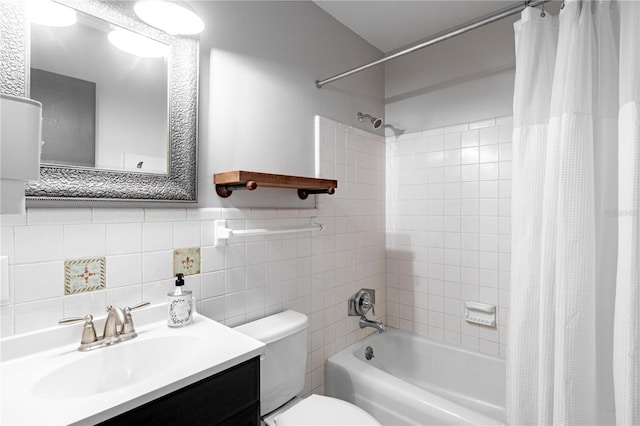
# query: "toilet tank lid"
275, 327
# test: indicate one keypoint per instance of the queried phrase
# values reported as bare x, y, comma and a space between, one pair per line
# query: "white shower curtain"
574, 333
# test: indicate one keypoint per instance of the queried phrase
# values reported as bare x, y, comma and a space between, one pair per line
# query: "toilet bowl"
319, 410
282, 374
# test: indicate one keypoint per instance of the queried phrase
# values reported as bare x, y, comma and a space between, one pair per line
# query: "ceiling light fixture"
170, 17
49, 13
136, 44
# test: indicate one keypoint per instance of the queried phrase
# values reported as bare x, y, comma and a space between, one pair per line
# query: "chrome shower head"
377, 122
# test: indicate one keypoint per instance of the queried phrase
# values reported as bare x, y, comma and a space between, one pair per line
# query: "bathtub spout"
364, 322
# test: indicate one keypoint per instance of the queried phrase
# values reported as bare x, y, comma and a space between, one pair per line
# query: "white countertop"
26, 359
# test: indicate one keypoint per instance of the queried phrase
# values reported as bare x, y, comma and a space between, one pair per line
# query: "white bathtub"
412, 380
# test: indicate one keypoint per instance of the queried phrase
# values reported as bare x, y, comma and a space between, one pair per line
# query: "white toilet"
282, 374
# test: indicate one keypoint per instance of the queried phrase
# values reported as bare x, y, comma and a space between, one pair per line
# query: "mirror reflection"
105, 102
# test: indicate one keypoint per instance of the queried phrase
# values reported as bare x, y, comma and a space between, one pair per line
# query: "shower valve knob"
362, 302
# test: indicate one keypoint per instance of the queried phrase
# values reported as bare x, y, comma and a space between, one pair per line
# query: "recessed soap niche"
186, 261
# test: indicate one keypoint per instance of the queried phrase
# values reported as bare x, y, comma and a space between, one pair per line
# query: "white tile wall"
245, 280
448, 230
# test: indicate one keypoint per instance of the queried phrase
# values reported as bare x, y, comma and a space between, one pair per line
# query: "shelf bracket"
303, 194
225, 191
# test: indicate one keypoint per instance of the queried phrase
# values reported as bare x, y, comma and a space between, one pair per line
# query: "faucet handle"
366, 301
367, 304
88, 330
136, 306
127, 327
361, 302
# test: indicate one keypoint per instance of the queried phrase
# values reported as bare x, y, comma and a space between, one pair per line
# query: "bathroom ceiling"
390, 25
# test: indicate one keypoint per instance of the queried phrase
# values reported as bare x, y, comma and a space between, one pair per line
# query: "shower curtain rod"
460, 30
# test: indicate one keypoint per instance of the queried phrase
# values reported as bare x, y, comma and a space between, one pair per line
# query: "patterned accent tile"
186, 261
84, 275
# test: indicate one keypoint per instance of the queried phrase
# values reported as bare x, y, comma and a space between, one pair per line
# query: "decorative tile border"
84, 275
186, 261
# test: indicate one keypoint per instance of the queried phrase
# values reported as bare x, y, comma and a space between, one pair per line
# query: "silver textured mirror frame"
83, 184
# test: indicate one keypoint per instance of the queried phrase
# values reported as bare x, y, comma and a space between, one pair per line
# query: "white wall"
259, 62
469, 101
466, 78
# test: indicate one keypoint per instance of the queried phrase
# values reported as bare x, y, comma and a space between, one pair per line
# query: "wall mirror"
118, 124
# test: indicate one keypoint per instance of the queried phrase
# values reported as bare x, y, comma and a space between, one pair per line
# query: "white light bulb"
169, 17
136, 44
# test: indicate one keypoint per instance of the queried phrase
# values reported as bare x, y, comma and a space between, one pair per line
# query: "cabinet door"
247, 417
231, 397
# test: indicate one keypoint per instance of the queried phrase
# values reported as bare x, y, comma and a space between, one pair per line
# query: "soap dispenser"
179, 304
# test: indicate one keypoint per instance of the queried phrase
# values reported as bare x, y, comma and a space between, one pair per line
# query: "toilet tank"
283, 366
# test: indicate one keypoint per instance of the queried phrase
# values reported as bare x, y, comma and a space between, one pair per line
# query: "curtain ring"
562, 7
543, 14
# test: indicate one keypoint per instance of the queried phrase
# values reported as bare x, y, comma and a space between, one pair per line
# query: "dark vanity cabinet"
231, 397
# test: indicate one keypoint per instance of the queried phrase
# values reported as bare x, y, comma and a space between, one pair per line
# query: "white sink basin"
116, 367
43, 373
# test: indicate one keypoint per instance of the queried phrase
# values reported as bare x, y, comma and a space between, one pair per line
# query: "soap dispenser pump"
179, 304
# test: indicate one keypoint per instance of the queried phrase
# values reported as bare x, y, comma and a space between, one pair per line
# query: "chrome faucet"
118, 327
360, 304
364, 322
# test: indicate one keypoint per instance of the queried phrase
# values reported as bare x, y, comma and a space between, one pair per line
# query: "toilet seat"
324, 410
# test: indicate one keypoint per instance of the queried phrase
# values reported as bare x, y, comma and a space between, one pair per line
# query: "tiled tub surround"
244, 280
448, 231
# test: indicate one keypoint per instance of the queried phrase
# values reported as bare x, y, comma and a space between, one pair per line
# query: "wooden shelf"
227, 182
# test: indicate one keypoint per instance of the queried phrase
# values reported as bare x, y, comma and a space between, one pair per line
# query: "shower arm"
450, 34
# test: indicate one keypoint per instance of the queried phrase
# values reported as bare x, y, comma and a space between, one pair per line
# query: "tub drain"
368, 352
